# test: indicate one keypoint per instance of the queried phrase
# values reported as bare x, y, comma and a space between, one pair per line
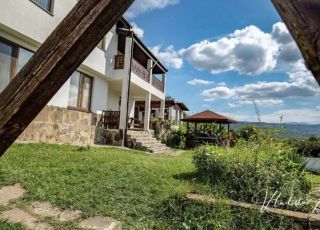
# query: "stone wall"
56, 125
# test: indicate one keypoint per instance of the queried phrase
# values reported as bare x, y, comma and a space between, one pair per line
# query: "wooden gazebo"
206, 117
209, 117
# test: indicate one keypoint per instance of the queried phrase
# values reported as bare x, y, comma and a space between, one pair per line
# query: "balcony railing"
141, 71
157, 83
110, 119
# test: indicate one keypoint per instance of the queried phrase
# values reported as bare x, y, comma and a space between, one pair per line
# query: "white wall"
99, 95
113, 100
27, 25
62, 96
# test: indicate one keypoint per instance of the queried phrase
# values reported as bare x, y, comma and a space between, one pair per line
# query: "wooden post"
51, 66
302, 18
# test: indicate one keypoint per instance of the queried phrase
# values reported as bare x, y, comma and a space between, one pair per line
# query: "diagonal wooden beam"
302, 18
51, 66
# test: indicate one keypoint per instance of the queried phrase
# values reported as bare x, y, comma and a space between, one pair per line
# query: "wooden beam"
313, 219
51, 66
302, 18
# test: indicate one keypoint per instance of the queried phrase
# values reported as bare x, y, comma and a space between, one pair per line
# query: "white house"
120, 70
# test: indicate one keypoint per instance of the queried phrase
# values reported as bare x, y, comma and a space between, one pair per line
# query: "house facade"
104, 90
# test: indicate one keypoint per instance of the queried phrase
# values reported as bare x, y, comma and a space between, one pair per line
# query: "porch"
139, 106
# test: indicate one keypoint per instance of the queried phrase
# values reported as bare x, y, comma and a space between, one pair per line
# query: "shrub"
309, 147
251, 176
249, 132
174, 136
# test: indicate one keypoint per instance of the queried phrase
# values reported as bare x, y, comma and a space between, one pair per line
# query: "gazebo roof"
209, 116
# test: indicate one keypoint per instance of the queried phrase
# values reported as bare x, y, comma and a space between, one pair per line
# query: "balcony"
157, 83
140, 70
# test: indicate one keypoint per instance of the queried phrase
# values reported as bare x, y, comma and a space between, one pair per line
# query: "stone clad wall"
56, 125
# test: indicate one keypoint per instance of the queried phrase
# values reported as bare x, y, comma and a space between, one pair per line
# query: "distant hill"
290, 130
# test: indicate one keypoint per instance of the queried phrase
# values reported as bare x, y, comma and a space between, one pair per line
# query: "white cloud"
260, 102
220, 92
293, 115
137, 30
143, 6
168, 56
305, 115
300, 84
197, 81
248, 51
289, 52
222, 84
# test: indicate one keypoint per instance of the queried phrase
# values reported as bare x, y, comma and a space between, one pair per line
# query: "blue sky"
223, 55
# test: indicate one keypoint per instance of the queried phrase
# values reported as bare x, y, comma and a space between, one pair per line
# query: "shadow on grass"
189, 176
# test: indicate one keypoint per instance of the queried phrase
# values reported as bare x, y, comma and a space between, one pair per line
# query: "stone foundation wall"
56, 125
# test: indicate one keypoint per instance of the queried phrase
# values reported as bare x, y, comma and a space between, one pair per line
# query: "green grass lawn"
314, 179
127, 185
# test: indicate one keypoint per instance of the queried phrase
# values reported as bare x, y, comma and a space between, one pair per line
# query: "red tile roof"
209, 116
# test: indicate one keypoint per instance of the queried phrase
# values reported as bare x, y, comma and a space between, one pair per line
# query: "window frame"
83, 76
49, 11
15, 56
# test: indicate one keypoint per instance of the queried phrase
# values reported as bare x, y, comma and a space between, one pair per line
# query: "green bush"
308, 148
249, 132
252, 175
174, 136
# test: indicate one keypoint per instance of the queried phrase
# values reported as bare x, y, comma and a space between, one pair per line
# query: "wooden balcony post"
51, 66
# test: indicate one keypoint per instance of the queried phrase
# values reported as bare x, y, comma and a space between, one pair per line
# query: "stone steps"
143, 140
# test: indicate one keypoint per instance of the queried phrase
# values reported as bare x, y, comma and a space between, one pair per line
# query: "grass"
7, 226
131, 186
314, 179
126, 185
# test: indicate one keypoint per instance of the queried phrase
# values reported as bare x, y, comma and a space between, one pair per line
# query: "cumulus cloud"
300, 84
289, 52
143, 6
221, 92
248, 51
197, 81
168, 56
137, 30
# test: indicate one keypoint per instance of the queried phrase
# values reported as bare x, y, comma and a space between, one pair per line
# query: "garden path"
35, 216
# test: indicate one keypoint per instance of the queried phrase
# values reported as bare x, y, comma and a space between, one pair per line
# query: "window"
80, 92
45, 4
12, 60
